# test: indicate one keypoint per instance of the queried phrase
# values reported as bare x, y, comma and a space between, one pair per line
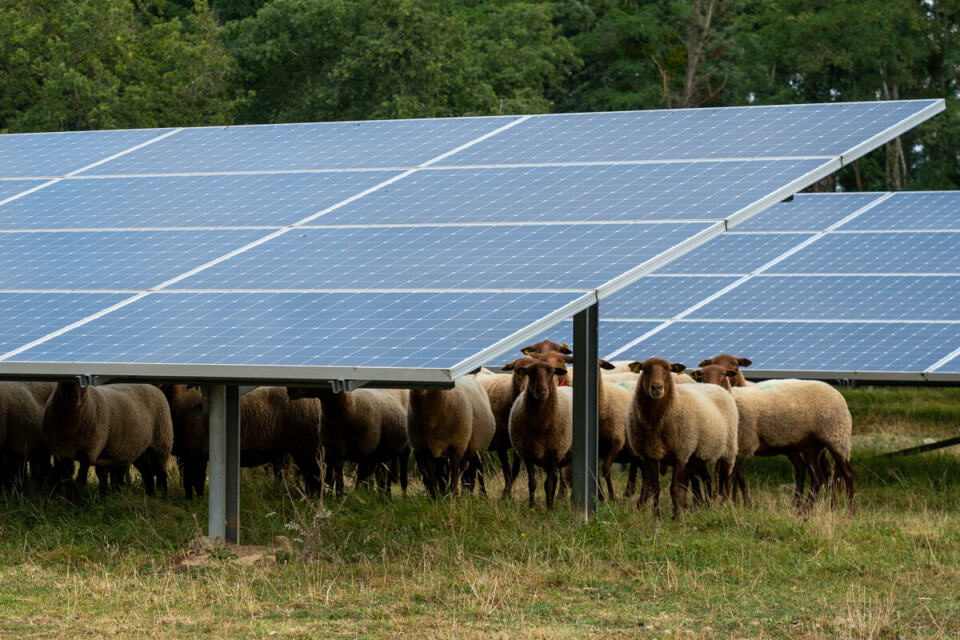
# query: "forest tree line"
102, 64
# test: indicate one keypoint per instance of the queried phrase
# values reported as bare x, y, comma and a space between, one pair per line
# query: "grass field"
367, 566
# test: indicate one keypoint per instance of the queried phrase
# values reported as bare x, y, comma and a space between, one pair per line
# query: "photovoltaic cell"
877, 253
798, 346
734, 132
291, 147
908, 211
513, 257
840, 298
56, 154
10, 188
185, 201
298, 329
109, 260
809, 212
661, 296
709, 190
25, 317
735, 253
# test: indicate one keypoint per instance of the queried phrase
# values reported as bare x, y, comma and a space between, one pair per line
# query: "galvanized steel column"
233, 464
585, 407
217, 412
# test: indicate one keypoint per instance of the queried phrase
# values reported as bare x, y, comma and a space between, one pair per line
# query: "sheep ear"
606, 365
704, 363
676, 367
695, 374
635, 367
526, 351
565, 349
510, 366
475, 371
744, 362
730, 373
568, 359
559, 371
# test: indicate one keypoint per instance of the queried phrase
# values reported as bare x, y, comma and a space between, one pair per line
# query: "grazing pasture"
366, 566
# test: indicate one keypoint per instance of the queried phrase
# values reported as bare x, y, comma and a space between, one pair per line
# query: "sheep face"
545, 346
541, 376
715, 374
727, 361
519, 377
655, 381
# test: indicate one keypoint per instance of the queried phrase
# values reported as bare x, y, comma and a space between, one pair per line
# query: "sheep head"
541, 374
715, 374
656, 381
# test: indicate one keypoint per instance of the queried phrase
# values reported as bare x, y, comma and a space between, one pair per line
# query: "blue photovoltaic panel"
735, 253
799, 346
25, 317
291, 147
951, 366
57, 154
185, 201
809, 212
563, 332
707, 190
356, 330
908, 211
10, 188
840, 298
513, 256
876, 253
109, 260
661, 296
736, 132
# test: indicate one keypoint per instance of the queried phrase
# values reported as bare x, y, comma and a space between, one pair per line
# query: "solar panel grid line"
786, 191
939, 364
903, 126
70, 327
629, 277
898, 321
528, 332
129, 229
135, 298
890, 231
741, 281
620, 163
506, 223
883, 274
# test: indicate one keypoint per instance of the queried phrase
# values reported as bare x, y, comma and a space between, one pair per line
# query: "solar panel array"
405, 250
853, 285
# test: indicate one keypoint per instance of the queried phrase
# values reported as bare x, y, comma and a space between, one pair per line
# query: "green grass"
366, 566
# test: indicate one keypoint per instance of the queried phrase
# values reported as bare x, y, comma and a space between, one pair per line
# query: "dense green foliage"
71, 64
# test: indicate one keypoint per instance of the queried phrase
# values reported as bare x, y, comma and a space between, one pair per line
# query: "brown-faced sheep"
366, 426
677, 423
271, 427
21, 432
541, 423
112, 426
449, 425
794, 418
502, 391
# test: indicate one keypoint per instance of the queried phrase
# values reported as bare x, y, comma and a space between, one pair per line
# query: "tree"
101, 64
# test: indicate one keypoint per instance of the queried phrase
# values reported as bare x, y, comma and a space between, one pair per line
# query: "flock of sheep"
653, 415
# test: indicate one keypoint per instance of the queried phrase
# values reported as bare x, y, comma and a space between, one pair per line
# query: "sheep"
790, 417
502, 391
455, 424
813, 462
677, 423
366, 426
111, 426
541, 423
546, 346
21, 436
271, 427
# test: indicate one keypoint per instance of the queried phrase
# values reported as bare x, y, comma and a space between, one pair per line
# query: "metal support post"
585, 407
217, 407
224, 509
232, 512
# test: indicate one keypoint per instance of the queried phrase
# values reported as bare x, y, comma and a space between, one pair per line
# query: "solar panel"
735, 253
26, 317
881, 304
57, 154
393, 250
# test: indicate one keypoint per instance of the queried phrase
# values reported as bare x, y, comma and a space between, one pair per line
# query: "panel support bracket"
223, 402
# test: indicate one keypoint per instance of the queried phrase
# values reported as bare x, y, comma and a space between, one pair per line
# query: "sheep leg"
145, 466
456, 469
843, 472
404, 463
364, 472
531, 480
650, 485
479, 463
82, 472
508, 474
631, 480
741, 483
550, 486
799, 474
197, 467
565, 480
678, 487
469, 476
186, 476
425, 463
336, 464
102, 479
515, 469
